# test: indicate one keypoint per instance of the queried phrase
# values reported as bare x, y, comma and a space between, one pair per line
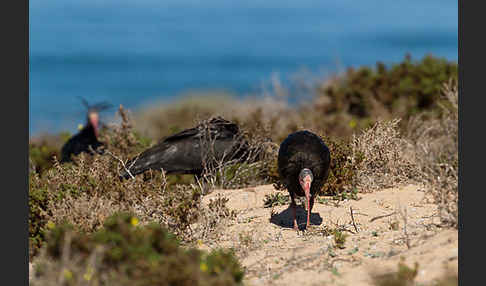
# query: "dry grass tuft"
384, 162
435, 144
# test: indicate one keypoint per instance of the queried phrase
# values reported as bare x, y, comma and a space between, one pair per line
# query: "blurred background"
141, 53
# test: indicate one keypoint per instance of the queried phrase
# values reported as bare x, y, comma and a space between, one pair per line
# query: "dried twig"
382, 216
352, 218
123, 163
403, 214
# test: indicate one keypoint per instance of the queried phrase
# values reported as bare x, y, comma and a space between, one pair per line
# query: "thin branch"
122, 163
403, 214
352, 218
134, 161
382, 216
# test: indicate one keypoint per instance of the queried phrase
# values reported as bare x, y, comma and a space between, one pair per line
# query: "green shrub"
38, 204
343, 170
43, 149
402, 89
89, 190
132, 254
356, 99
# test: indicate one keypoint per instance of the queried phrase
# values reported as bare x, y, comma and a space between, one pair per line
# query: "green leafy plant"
402, 89
124, 252
343, 169
339, 238
276, 199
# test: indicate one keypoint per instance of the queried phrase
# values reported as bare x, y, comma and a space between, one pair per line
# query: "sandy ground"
274, 254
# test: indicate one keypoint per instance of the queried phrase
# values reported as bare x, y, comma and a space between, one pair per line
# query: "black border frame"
15, 116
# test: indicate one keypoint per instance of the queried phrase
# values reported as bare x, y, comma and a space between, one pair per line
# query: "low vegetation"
124, 252
87, 191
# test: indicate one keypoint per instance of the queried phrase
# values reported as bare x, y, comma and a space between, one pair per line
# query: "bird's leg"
309, 209
306, 186
311, 202
294, 213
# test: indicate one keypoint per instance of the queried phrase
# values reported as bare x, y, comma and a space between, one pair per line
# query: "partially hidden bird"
188, 151
86, 140
303, 165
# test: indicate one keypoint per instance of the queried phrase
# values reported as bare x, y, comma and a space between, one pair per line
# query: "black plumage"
86, 140
303, 156
188, 151
81, 142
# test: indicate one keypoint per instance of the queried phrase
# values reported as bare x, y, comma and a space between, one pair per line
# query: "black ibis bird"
188, 151
303, 165
86, 139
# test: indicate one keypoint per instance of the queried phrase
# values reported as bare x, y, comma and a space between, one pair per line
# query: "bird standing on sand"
88, 136
303, 164
188, 151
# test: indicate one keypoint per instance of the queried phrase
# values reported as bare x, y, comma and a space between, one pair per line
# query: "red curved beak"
306, 184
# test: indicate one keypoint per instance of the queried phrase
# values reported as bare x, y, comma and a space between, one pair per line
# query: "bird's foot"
296, 226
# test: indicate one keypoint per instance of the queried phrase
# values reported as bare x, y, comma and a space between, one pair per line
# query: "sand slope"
274, 254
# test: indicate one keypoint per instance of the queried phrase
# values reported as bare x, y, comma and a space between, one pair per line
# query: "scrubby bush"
88, 191
384, 160
400, 90
435, 143
343, 168
124, 252
43, 149
122, 139
38, 217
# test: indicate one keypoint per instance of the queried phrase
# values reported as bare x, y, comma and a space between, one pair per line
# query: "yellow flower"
68, 274
134, 221
199, 242
352, 123
50, 225
80, 126
204, 267
89, 274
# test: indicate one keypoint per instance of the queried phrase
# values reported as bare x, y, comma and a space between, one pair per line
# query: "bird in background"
188, 151
303, 164
87, 138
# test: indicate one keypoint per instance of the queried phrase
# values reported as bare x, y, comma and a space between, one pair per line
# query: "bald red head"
305, 179
93, 120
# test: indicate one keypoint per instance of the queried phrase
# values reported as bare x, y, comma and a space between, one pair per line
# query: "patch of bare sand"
274, 254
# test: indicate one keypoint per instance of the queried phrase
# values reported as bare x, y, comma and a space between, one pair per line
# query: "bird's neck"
92, 128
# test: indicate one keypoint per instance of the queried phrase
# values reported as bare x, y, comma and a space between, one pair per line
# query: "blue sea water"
135, 52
